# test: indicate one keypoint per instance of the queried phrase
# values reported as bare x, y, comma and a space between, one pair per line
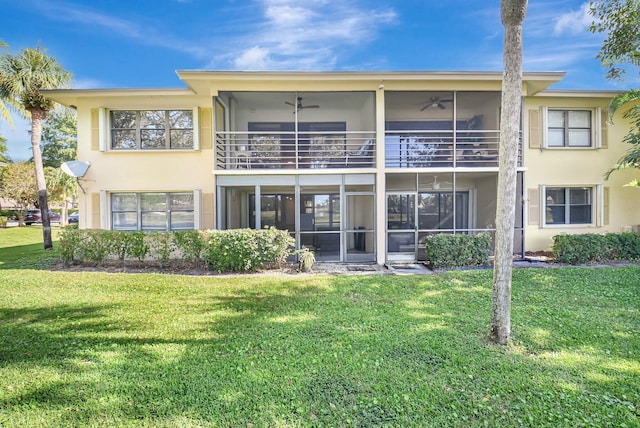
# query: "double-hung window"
569, 128
568, 205
152, 211
152, 129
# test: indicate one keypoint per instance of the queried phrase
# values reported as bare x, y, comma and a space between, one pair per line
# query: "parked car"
34, 216
73, 217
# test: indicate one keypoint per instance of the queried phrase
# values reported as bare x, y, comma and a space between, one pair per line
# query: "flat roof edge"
120, 91
364, 74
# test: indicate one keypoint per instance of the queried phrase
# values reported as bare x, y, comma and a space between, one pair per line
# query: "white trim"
473, 208
103, 128
251, 180
196, 128
599, 205
197, 209
544, 112
597, 128
542, 205
105, 210
595, 206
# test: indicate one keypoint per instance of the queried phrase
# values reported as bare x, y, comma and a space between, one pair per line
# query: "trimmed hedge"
236, 250
593, 247
10, 214
448, 250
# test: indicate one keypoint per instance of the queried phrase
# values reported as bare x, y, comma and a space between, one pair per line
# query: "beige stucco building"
357, 166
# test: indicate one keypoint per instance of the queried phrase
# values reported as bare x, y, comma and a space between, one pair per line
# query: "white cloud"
556, 37
143, 31
255, 58
265, 34
573, 22
294, 34
87, 83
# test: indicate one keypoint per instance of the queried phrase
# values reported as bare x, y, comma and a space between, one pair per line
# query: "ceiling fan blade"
441, 106
312, 106
291, 104
425, 107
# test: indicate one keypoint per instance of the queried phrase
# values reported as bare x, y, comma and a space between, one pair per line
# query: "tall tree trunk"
37, 116
512, 14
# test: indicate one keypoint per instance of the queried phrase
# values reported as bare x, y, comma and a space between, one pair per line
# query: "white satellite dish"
75, 169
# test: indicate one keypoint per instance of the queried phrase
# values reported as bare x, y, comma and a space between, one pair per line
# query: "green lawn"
100, 349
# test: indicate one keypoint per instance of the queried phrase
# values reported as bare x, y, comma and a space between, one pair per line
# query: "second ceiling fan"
299, 106
436, 102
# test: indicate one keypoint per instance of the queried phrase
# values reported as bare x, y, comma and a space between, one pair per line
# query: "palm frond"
630, 96
633, 183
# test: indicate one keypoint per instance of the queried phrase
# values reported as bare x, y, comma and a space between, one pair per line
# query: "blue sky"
121, 44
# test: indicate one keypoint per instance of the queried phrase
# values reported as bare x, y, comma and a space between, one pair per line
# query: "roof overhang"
72, 97
209, 81
576, 93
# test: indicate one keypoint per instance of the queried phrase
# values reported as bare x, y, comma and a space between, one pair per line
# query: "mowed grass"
100, 349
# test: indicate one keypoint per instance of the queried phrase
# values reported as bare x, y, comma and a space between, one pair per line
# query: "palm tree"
62, 187
632, 158
22, 78
512, 14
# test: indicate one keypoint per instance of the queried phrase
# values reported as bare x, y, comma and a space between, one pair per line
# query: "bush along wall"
236, 250
592, 247
447, 250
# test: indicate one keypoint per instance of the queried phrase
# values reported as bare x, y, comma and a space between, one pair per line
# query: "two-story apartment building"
357, 166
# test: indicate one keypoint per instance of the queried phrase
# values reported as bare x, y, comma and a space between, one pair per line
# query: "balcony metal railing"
403, 149
288, 150
441, 149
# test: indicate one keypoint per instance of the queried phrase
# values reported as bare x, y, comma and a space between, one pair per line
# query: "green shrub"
593, 247
246, 250
237, 250
160, 247
448, 250
274, 245
126, 245
10, 214
119, 243
96, 246
233, 250
191, 245
69, 245
138, 247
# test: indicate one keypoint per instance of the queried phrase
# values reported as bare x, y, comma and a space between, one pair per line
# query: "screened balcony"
430, 129
295, 130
